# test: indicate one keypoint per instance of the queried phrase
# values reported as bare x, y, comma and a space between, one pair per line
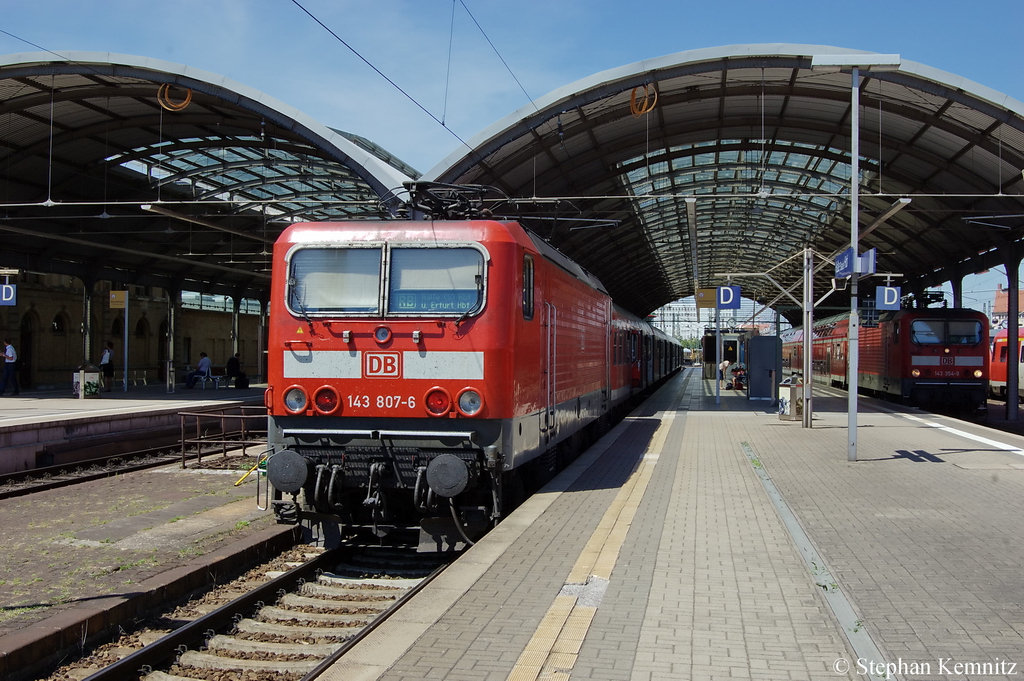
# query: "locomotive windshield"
335, 280
416, 281
436, 280
945, 332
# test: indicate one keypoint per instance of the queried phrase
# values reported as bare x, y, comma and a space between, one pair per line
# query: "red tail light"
438, 402
326, 400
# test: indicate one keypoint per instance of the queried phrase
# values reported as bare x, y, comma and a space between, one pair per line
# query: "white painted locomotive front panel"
349, 364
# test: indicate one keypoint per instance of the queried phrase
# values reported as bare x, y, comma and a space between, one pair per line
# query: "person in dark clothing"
233, 367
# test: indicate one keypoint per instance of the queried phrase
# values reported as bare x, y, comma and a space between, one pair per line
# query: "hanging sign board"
118, 300
887, 297
844, 264
728, 297
8, 294
705, 297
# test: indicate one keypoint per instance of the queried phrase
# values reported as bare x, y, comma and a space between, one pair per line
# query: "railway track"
51, 477
270, 624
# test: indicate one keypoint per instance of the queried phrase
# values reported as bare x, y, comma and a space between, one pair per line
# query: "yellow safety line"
551, 653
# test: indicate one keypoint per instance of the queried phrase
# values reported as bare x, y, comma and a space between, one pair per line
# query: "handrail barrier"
207, 432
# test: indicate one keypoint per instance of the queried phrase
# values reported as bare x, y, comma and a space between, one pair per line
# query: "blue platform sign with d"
728, 297
8, 294
887, 297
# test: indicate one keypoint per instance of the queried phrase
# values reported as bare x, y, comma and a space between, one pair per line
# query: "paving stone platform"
708, 539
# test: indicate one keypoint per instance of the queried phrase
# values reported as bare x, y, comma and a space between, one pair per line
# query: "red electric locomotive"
925, 356
426, 372
998, 366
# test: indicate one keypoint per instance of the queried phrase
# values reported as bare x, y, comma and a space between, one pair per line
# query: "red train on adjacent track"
998, 365
426, 373
935, 357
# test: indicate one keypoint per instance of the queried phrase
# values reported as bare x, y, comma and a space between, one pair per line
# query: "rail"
215, 431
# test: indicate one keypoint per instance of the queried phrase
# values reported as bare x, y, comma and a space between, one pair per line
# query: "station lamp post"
854, 62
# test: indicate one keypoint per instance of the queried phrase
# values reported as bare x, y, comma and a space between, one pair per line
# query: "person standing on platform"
202, 369
233, 369
10, 368
107, 365
722, 368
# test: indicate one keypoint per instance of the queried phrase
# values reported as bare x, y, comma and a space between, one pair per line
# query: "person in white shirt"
202, 369
107, 365
10, 368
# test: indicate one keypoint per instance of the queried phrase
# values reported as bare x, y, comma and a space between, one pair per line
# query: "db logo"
946, 360
382, 365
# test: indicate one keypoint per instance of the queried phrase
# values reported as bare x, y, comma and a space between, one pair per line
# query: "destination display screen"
437, 301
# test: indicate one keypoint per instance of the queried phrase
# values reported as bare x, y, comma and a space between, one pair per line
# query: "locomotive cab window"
940, 331
964, 332
333, 280
436, 280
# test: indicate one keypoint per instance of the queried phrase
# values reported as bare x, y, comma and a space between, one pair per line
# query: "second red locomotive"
924, 356
426, 372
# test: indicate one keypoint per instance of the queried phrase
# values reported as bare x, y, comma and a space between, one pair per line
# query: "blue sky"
273, 46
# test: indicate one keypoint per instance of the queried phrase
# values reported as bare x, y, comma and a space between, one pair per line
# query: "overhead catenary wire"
381, 73
528, 97
448, 72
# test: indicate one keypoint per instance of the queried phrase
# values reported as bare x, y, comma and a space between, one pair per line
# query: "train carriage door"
550, 368
609, 358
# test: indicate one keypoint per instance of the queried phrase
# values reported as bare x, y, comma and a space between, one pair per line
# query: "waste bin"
86, 381
791, 401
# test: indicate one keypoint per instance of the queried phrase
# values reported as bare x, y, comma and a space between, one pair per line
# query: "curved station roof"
693, 170
152, 173
757, 137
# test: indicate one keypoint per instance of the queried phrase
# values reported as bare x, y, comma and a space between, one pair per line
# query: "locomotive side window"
325, 280
527, 287
436, 280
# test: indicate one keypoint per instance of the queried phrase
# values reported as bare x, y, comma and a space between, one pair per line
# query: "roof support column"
957, 283
261, 339
1013, 335
88, 284
236, 307
173, 316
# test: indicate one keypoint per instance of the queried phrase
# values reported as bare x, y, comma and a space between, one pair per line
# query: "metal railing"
208, 432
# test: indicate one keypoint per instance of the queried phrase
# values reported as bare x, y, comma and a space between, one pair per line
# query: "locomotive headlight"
916, 373
470, 402
295, 400
978, 373
325, 401
382, 334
